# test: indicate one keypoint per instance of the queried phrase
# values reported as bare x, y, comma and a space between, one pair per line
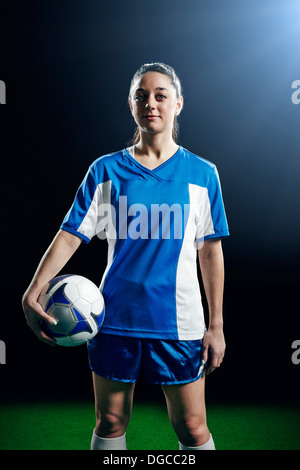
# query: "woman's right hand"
59, 252
34, 315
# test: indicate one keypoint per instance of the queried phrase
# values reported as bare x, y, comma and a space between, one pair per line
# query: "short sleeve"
213, 221
82, 218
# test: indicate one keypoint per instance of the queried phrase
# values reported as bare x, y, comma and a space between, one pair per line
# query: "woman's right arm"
57, 255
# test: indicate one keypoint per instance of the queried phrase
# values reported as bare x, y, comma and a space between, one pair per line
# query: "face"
153, 103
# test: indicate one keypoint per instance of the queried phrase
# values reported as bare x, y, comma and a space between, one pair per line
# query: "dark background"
67, 66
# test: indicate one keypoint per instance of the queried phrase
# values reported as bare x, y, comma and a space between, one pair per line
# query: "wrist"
216, 325
32, 292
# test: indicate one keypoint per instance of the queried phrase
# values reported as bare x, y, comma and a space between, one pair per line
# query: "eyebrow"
158, 88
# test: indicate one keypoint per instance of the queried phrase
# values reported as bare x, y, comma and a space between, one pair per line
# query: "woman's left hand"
213, 348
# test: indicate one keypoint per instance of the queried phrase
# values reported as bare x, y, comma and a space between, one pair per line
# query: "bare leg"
187, 412
113, 405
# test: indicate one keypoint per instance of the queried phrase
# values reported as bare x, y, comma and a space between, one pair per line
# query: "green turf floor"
68, 426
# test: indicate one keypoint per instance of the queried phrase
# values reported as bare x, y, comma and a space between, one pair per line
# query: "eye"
161, 97
139, 97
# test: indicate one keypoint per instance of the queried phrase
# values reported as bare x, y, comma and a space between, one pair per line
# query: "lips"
150, 117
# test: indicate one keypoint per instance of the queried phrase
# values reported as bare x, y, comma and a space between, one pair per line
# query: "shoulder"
197, 160
103, 167
107, 159
200, 169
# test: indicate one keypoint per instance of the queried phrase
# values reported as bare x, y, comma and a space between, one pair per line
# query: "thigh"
115, 357
186, 401
112, 396
113, 405
172, 362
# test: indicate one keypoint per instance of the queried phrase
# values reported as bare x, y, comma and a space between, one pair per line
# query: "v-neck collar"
148, 170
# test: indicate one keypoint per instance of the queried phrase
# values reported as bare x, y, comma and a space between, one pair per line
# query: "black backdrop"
67, 67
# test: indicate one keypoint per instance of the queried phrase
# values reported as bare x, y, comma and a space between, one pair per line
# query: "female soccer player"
160, 205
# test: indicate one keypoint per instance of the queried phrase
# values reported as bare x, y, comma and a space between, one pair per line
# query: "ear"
179, 106
130, 104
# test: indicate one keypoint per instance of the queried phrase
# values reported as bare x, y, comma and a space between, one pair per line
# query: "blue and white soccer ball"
78, 306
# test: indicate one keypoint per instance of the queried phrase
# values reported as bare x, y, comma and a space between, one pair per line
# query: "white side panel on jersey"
110, 257
94, 220
189, 310
98, 217
111, 233
203, 216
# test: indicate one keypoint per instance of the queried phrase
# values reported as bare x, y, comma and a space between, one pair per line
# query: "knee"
192, 431
109, 424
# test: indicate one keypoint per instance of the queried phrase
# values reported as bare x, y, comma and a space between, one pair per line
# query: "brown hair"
165, 70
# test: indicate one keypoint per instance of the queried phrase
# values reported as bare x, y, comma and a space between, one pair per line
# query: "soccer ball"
77, 305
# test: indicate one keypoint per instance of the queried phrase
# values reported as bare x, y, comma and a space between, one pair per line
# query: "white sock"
209, 445
111, 443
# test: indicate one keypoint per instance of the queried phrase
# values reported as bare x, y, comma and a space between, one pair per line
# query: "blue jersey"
154, 222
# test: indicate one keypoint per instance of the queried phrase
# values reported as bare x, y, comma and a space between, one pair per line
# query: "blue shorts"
127, 359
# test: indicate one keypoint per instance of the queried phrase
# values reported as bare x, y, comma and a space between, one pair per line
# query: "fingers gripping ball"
78, 307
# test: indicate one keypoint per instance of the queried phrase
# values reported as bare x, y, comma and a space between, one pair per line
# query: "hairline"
161, 73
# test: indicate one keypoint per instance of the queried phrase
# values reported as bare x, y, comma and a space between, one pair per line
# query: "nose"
150, 103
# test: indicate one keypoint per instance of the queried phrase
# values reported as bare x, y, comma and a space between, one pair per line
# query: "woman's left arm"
212, 271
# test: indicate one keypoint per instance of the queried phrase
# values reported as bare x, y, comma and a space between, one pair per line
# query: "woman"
159, 205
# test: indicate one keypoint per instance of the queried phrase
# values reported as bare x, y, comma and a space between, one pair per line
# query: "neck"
155, 145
